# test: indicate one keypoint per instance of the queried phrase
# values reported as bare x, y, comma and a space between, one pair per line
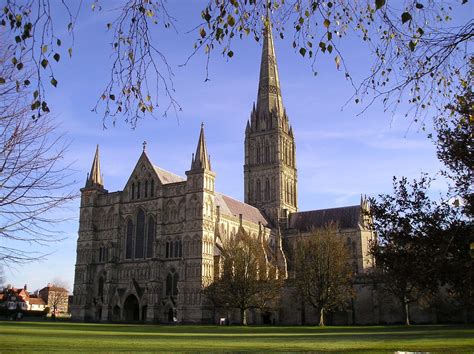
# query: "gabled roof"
346, 217
36, 301
54, 288
166, 176
233, 207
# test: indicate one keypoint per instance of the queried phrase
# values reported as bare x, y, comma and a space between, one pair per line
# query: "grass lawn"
86, 337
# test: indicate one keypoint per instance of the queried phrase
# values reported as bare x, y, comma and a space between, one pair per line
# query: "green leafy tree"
454, 142
323, 275
421, 244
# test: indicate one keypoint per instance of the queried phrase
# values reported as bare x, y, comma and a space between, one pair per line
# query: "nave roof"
346, 217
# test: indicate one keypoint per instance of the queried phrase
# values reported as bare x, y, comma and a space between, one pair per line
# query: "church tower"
270, 161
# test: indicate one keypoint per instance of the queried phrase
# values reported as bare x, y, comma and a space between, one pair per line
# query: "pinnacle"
95, 178
201, 159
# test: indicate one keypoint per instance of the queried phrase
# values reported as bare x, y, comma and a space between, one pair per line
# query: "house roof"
54, 288
166, 176
233, 207
36, 301
346, 217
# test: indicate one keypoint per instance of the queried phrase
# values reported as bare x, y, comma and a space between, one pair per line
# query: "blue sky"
339, 154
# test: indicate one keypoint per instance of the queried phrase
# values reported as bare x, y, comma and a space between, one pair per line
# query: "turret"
201, 160
201, 176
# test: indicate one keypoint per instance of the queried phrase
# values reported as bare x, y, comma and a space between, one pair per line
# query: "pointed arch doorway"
131, 309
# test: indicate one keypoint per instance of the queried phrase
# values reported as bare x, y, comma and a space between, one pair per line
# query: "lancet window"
140, 235
129, 240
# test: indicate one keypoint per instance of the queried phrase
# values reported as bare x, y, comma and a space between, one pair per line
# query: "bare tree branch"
34, 181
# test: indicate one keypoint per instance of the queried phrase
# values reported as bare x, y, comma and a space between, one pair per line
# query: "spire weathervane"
144, 145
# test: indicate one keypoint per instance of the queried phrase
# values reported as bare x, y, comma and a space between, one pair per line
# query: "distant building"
55, 297
37, 304
18, 299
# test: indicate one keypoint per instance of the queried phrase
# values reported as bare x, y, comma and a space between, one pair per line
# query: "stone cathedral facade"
145, 252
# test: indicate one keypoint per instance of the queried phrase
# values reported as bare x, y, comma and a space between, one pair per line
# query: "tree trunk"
303, 313
243, 317
321, 316
406, 312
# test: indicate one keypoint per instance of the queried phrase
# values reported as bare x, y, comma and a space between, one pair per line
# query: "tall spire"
95, 178
201, 159
269, 92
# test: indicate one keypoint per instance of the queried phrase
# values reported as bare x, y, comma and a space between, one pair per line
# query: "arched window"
171, 211
267, 189
273, 189
282, 191
167, 249
152, 188
146, 189
133, 191
150, 237
140, 235
176, 249
182, 210
175, 284
259, 191
138, 190
294, 193
110, 219
267, 152
258, 154
172, 280
102, 254
293, 155
171, 249
169, 284
100, 290
129, 241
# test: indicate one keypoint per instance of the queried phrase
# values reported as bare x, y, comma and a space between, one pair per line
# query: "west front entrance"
131, 309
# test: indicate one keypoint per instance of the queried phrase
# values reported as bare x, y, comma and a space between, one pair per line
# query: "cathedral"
143, 253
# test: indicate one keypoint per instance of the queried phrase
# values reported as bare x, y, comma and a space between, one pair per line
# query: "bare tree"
323, 276
248, 280
56, 296
33, 177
